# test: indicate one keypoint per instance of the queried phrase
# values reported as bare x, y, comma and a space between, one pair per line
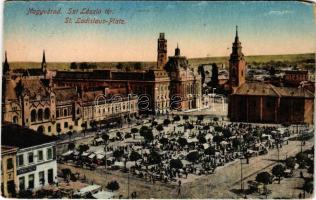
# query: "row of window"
39, 115
31, 179
30, 157
64, 112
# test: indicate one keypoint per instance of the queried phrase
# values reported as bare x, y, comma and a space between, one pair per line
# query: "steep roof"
66, 94
295, 92
264, 89
15, 135
35, 87
257, 89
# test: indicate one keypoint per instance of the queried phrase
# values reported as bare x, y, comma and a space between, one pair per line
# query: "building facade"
9, 183
55, 103
35, 157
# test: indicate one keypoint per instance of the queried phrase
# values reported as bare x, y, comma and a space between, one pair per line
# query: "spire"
44, 65
177, 51
5, 57
236, 31
44, 60
6, 66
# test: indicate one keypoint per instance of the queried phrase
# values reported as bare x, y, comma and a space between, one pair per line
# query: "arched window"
15, 120
46, 113
33, 115
65, 112
40, 115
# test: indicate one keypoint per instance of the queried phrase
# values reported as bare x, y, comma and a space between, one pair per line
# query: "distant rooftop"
18, 136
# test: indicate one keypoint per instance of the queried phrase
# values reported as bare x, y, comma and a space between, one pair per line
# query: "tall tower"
237, 65
6, 66
44, 65
162, 52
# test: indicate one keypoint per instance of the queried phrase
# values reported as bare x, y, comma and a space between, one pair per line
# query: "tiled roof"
65, 94
264, 89
257, 89
34, 87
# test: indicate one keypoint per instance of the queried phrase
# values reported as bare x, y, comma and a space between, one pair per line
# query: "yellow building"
8, 171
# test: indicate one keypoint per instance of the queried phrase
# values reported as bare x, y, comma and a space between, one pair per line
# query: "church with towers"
259, 102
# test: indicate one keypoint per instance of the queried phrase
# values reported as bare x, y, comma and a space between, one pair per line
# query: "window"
49, 154
65, 112
22, 183
30, 157
46, 113
9, 164
66, 125
78, 111
41, 177
20, 160
40, 155
33, 115
57, 113
31, 181
49, 129
40, 115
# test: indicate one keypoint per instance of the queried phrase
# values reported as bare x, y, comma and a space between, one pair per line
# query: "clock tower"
237, 65
162, 52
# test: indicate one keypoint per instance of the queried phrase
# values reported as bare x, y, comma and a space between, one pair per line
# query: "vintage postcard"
158, 99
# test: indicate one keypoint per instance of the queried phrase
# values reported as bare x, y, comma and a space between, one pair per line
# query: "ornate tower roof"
177, 51
6, 66
236, 54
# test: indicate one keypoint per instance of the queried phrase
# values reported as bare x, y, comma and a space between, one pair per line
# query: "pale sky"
201, 29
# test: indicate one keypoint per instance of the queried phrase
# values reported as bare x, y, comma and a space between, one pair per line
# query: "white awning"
86, 190
104, 195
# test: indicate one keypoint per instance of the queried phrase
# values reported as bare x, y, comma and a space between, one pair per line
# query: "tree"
113, 185
58, 131
206, 127
217, 139
215, 119
182, 141
164, 141
176, 118
214, 78
134, 156
84, 127
200, 117
166, 122
201, 138
134, 130
263, 177
278, 171
138, 66
118, 154
154, 123
73, 65
66, 173
83, 148
308, 186
159, 127
227, 134
154, 157
193, 156
185, 117
146, 133
69, 133
290, 163
119, 66
302, 159
210, 151
218, 129
71, 146
176, 164
105, 137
